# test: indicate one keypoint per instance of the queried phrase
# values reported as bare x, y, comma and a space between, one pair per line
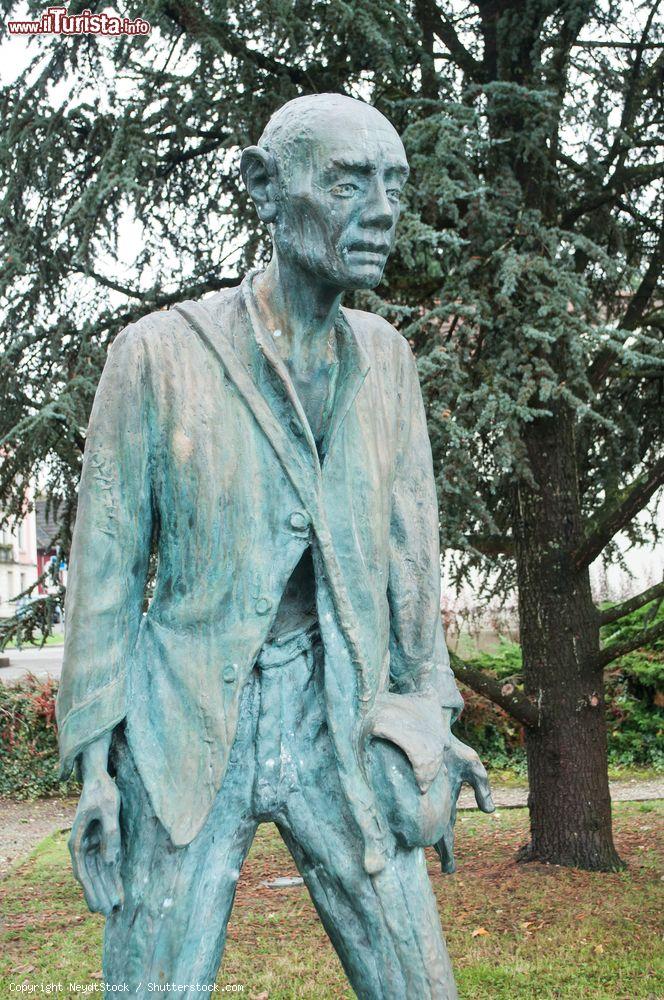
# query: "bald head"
308, 121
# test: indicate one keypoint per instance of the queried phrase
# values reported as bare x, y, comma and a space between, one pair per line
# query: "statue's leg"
172, 926
385, 928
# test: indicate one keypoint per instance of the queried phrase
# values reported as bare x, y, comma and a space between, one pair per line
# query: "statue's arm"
418, 654
110, 553
108, 570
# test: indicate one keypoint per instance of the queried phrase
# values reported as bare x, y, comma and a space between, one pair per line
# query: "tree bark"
569, 801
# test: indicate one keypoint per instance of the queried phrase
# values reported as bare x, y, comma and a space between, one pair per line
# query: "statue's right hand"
95, 844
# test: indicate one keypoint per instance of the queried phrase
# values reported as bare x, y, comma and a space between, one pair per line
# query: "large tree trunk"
569, 802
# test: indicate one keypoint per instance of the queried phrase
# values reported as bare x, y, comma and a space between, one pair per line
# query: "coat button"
299, 520
229, 673
263, 606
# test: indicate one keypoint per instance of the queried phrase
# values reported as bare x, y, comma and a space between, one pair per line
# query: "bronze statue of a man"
291, 666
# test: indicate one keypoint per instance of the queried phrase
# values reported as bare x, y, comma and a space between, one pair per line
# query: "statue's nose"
378, 211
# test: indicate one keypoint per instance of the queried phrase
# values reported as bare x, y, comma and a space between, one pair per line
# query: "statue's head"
326, 177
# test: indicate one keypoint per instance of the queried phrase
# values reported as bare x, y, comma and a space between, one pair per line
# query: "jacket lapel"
212, 336
353, 369
306, 480
268, 348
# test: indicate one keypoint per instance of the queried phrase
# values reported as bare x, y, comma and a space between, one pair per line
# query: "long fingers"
479, 780
97, 876
96, 865
109, 864
83, 869
445, 850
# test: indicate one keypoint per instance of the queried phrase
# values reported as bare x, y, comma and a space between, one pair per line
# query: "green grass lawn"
515, 931
51, 640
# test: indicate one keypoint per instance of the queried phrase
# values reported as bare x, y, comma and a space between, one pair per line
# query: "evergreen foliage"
528, 271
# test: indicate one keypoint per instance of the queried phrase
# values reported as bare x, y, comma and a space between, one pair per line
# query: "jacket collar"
353, 369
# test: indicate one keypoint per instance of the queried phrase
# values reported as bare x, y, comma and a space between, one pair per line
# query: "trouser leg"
172, 926
385, 928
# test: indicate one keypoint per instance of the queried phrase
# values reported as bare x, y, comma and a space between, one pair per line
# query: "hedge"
635, 717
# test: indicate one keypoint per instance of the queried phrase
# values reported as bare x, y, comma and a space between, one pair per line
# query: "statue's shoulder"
378, 337
166, 328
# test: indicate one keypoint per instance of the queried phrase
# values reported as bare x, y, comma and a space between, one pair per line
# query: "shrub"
635, 689
28, 740
634, 702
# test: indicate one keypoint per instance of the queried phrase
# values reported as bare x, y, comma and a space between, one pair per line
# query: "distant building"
18, 561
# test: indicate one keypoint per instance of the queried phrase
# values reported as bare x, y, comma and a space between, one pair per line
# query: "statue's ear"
259, 173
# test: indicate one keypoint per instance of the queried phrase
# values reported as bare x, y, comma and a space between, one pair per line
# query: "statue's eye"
394, 193
344, 190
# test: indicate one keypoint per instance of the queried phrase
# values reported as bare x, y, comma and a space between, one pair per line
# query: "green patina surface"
292, 664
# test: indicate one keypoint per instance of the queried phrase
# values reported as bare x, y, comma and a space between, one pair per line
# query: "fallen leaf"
599, 949
479, 932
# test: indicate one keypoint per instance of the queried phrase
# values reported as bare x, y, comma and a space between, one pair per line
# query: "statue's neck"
300, 311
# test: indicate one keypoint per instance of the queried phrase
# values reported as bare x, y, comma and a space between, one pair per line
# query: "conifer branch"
630, 104
504, 694
115, 286
491, 545
622, 180
634, 313
587, 44
446, 32
613, 517
617, 649
617, 611
192, 19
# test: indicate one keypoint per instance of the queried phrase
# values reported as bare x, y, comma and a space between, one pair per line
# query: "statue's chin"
364, 283
344, 278
363, 278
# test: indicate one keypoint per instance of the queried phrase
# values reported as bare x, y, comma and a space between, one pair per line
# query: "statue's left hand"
463, 767
95, 845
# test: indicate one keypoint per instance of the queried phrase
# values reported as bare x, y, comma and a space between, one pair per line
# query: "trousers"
171, 928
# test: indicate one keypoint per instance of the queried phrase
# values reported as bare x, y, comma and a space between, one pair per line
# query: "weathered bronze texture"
291, 666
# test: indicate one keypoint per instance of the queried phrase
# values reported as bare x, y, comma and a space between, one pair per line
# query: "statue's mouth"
369, 249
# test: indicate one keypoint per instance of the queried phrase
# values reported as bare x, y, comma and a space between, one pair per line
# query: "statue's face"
339, 201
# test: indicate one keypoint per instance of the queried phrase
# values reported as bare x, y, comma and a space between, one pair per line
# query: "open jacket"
197, 441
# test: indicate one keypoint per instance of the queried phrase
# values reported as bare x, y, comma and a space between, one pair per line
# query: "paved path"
633, 790
43, 663
24, 824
